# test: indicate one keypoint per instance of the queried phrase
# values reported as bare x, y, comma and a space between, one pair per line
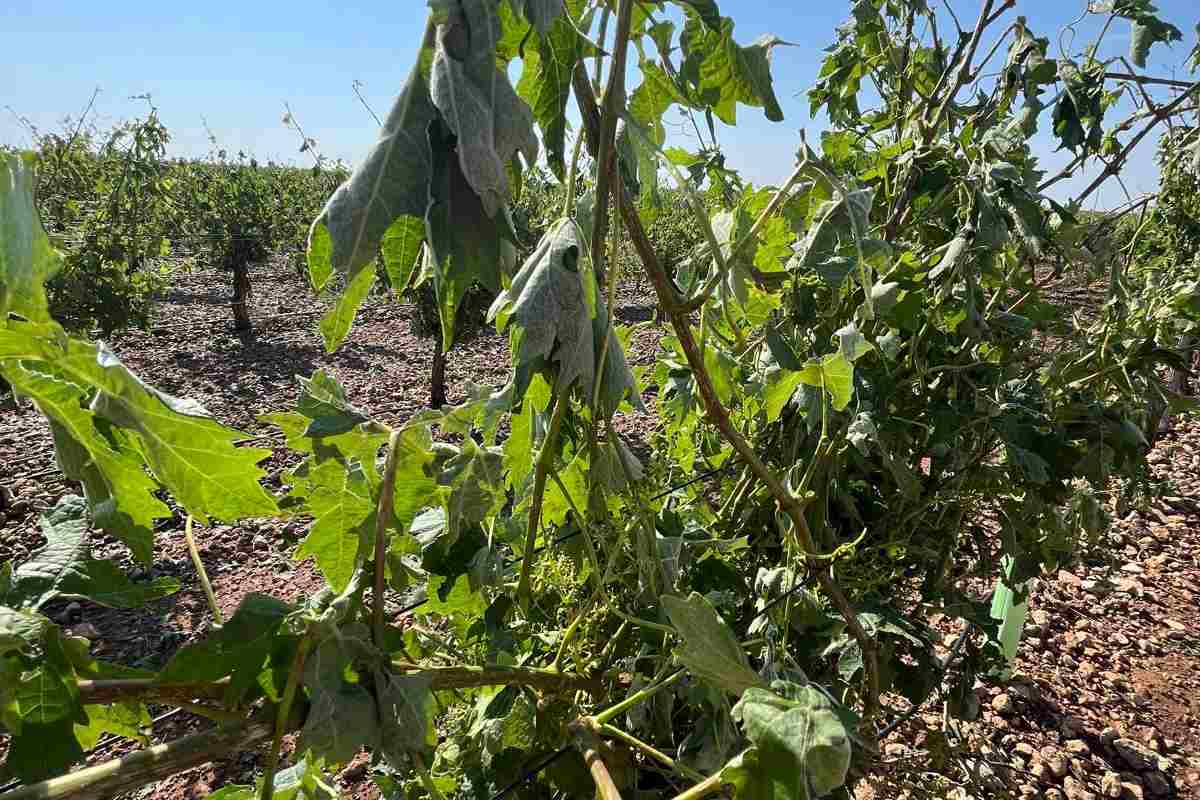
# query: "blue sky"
234, 65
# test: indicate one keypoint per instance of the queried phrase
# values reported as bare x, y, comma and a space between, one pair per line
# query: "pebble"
1110, 785
1075, 790
1078, 747
1002, 704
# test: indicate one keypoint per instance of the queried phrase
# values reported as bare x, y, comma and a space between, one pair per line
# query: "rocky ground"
1105, 702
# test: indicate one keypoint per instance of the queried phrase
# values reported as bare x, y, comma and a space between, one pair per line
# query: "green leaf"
342, 716
803, 747
401, 248
20, 630
721, 73
476, 482
780, 384
238, 649
833, 373
43, 751
338, 497
468, 245
546, 84
128, 720
542, 14
119, 492
390, 183
27, 260
190, 453
336, 323
707, 10
65, 568
710, 650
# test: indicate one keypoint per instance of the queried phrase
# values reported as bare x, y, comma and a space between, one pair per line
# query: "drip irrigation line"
702, 476
532, 772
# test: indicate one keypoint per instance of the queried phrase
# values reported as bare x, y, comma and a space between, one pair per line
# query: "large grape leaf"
119, 492
467, 244
338, 496
710, 650
720, 73
1146, 28
542, 14
405, 714
802, 747
342, 716
27, 259
65, 568
546, 82
237, 649
478, 104
391, 183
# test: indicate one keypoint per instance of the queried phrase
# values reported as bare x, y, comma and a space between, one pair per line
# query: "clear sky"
235, 64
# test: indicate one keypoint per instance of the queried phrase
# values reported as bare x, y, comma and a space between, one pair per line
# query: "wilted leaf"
710, 650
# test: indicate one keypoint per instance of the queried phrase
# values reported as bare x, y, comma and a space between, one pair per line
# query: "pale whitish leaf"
547, 308
391, 182
304, 780
27, 260
802, 745
20, 630
851, 343
709, 650
950, 259
65, 568
478, 103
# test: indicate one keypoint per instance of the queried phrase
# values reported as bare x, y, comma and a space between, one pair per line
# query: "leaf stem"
541, 472
426, 778
194, 552
383, 519
650, 750
638, 697
282, 716
718, 415
705, 788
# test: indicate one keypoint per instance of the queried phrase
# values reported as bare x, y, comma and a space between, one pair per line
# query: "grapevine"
856, 364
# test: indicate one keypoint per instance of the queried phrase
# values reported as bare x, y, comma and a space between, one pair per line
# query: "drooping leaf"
547, 310
802, 744
710, 650
546, 79
405, 714
336, 323
480, 107
342, 718
187, 450
65, 568
467, 244
720, 73
391, 183
540, 13
119, 492
238, 649
27, 259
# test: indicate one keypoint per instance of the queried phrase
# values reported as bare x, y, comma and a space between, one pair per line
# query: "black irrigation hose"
532, 772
